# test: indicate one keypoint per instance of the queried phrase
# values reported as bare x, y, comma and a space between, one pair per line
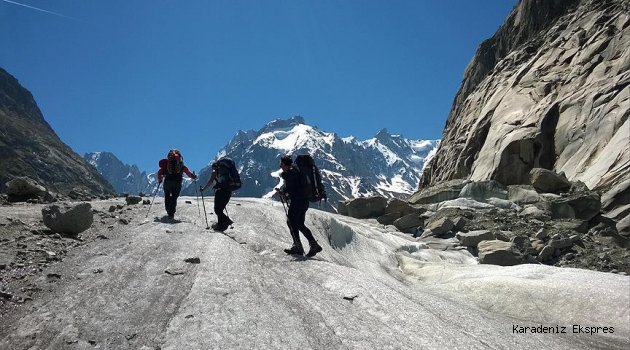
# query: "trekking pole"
155, 194
286, 213
197, 193
204, 209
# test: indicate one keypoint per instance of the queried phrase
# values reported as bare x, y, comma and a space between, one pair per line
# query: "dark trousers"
297, 216
171, 192
221, 199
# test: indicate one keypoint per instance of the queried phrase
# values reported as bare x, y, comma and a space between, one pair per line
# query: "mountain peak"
383, 133
283, 123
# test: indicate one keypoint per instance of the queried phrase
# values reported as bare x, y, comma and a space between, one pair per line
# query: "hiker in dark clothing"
222, 195
171, 172
294, 187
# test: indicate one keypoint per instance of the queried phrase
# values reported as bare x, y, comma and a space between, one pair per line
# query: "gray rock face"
548, 90
362, 208
68, 219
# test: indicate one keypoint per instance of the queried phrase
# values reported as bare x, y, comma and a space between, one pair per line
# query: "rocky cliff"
30, 147
550, 89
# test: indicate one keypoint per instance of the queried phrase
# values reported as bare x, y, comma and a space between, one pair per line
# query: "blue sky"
138, 77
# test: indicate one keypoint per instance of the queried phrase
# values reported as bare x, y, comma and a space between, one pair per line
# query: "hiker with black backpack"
171, 172
226, 178
298, 187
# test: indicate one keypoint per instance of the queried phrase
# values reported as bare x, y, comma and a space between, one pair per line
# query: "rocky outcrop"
549, 90
30, 147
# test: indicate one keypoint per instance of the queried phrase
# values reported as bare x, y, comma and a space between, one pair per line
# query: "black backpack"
313, 187
175, 162
226, 168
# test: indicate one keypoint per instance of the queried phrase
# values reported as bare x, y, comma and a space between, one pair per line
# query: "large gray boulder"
68, 219
438, 193
369, 207
23, 188
482, 190
439, 226
409, 222
498, 252
472, 238
396, 205
131, 200
523, 194
544, 180
584, 206
342, 208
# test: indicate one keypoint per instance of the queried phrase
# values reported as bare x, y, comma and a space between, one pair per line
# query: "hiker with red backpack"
226, 179
298, 186
171, 172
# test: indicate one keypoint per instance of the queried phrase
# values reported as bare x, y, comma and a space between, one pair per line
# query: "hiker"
226, 179
295, 187
171, 171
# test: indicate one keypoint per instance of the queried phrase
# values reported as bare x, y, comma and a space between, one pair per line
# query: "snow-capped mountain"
388, 165
123, 177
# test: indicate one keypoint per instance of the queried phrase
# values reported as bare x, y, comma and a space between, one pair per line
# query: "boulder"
388, 218
341, 208
544, 180
482, 190
560, 243
546, 253
20, 189
534, 212
523, 244
68, 219
472, 238
79, 194
464, 203
396, 205
369, 207
408, 222
584, 205
502, 203
132, 200
523, 194
571, 226
439, 193
498, 253
440, 226
542, 234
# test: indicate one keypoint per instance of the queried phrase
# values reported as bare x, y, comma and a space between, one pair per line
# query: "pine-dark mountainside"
30, 147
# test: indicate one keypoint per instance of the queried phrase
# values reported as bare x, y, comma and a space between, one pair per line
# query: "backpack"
312, 178
175, 162
228, 174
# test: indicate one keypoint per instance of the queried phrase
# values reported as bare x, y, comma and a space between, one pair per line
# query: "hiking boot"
295, 251
315, 248
228, 222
